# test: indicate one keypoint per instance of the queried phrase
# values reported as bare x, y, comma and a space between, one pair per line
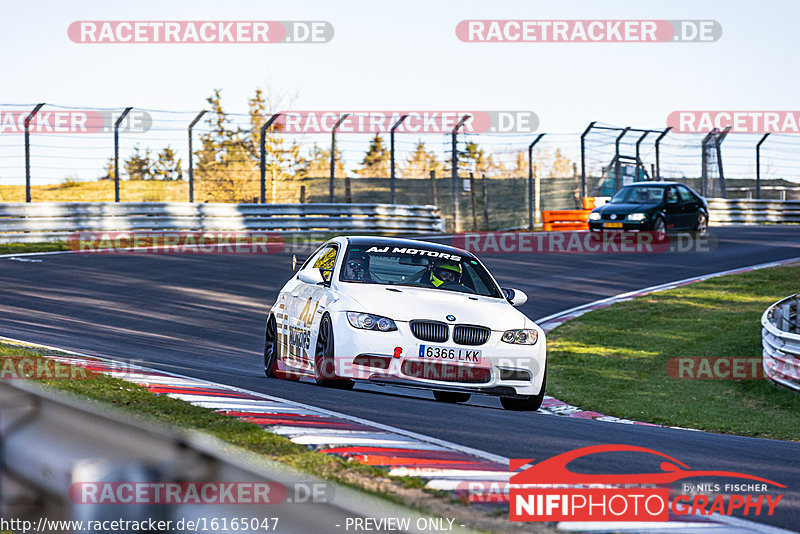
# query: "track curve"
202, 316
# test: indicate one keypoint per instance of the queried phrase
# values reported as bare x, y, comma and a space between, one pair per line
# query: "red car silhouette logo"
554, 470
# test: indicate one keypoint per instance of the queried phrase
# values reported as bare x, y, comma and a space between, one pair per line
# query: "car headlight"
594, 216
367, 321
636, 216
521, 337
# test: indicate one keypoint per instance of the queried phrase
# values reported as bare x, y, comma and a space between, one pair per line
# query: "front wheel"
450, 396
530, 403
271, 348
701, 228
324, 362
660, 229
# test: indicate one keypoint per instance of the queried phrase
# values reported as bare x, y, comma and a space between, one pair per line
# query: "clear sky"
405, 55
393, 55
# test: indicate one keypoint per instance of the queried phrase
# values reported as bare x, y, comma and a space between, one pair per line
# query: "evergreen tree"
108, 170
318, 164
420, 163
139, 166
520, 164
282, 156
376, 160
226, 169
562, 166
167, 166
476, 160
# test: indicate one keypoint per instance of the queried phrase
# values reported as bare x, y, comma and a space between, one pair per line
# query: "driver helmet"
358, 264
445, 272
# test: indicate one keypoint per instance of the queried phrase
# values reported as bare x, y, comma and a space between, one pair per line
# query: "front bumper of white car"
503, 369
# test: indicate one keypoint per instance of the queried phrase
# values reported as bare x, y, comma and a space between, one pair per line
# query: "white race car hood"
408, 303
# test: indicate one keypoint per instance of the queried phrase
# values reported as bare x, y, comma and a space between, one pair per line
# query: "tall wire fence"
67, 165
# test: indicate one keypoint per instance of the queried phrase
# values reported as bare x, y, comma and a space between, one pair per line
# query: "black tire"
530, 403
451, 396
701, 226
324, 366
660, 229
271, 348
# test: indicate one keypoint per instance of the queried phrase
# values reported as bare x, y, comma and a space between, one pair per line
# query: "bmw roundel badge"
451, 317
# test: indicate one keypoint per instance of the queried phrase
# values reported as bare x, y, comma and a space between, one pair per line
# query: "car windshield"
418, 267
638, 194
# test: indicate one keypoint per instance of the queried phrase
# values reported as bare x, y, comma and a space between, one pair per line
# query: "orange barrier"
565, 220
590, 203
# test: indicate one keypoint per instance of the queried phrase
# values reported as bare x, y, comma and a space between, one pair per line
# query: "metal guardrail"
46, 221
50, 442
724, 211
751, 191
780, 337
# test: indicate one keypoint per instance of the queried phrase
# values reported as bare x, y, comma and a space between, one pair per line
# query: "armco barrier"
780, 337
565, 220
51, 442
724, 211
47, 221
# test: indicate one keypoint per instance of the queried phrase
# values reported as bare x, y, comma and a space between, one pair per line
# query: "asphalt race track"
203, 316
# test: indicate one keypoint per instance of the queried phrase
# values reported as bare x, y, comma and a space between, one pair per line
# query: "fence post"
533, 189
27, 124
617, 163
191, 155
577, 192
537, 196
391, 155
758, 166
433, 188
704, 162
348, 197
454, 174
485, 203
583, 157
474, 207
718, 146
657, 175
333, 154
263, 162
302, 194
638, 158
116, 152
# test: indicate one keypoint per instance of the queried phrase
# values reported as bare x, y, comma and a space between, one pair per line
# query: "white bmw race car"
406, 313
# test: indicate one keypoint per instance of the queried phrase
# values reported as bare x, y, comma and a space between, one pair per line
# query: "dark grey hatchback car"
659, 207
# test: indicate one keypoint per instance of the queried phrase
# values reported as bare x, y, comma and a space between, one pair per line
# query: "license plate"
453, 354
612, 225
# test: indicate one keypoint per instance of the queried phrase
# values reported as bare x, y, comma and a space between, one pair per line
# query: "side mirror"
516, 297
310, 275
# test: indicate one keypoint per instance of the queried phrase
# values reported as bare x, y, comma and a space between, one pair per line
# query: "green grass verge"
614, 360
22, 248
136, 401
